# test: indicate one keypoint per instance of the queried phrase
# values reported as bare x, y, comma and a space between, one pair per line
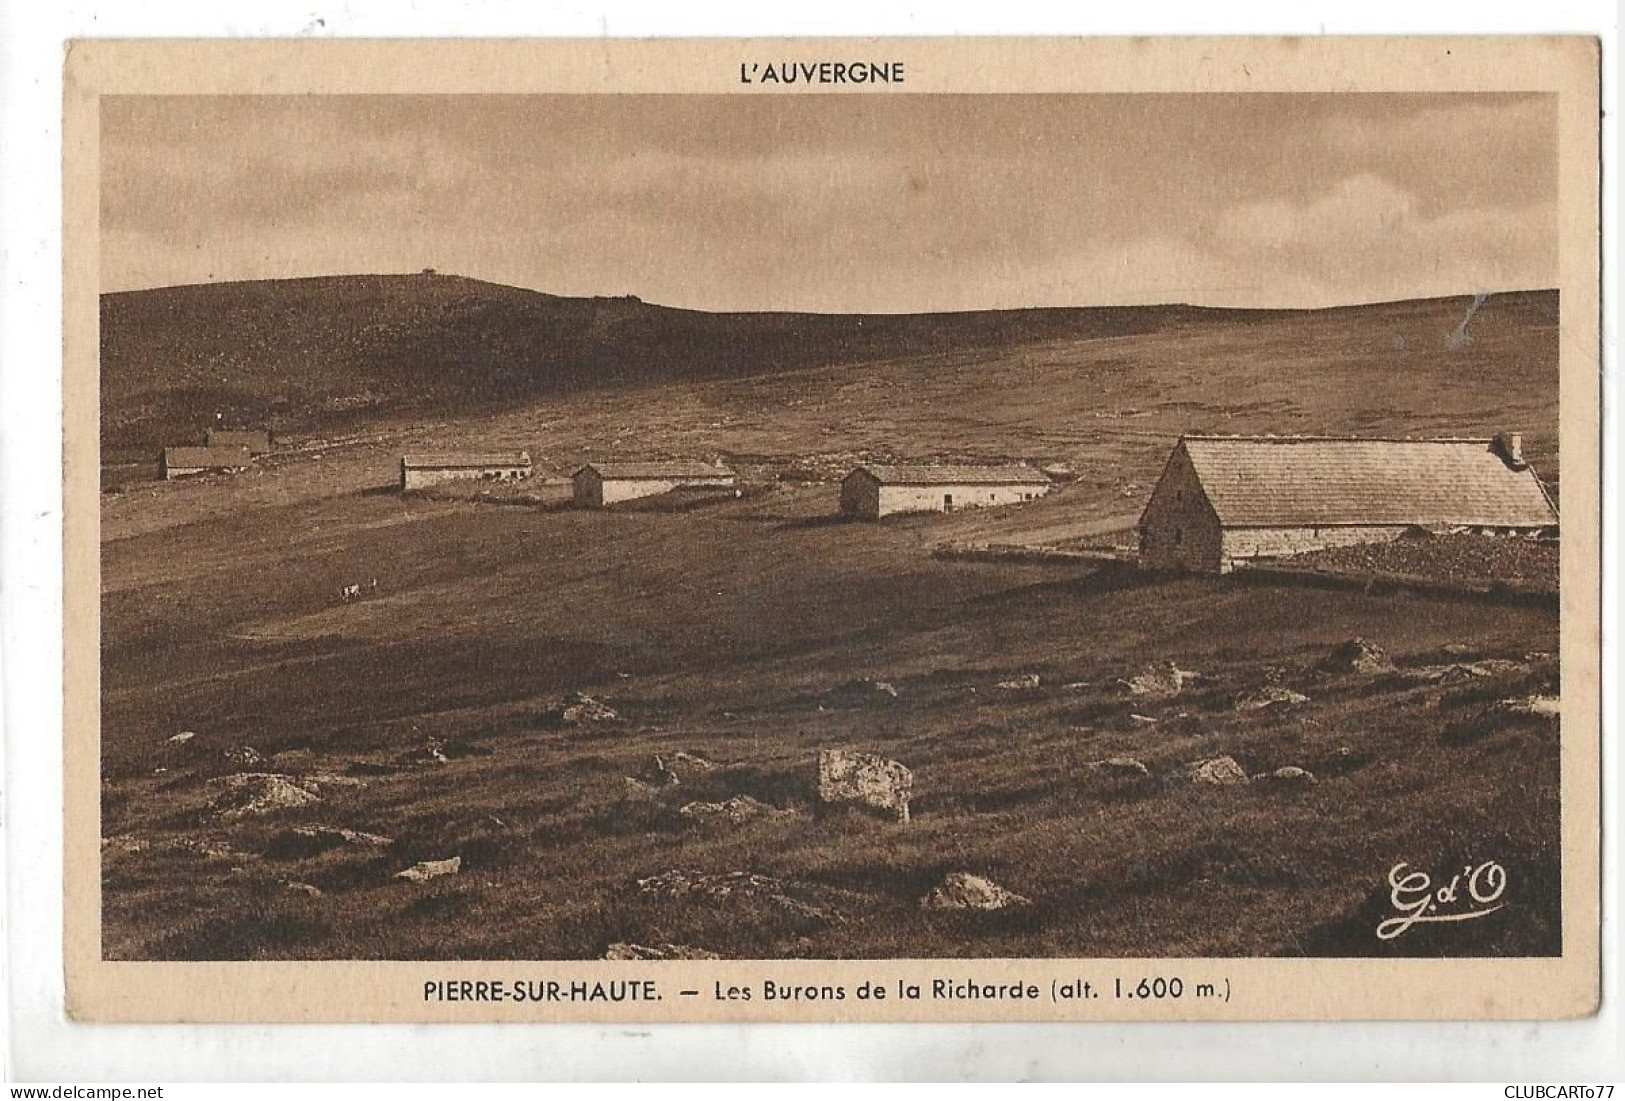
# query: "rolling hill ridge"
318, 354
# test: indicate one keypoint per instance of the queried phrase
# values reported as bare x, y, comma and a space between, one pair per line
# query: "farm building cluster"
1219, 501
223, 451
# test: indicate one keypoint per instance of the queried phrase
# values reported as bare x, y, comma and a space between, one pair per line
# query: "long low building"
1227, 499
182, 462
423, 470
873, 491
598, 484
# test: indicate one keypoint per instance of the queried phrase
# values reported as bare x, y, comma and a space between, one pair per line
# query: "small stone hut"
598, 484
423, 470
182, 462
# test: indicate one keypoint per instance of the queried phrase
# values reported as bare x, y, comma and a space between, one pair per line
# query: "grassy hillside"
735, 631
742, 630
312, 354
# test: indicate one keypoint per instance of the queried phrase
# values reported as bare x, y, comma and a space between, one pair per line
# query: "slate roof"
462, 460
955, 475
207, 458
656, 471
1298, 481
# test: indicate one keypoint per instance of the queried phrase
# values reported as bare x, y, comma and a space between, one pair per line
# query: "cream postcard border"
1258, 989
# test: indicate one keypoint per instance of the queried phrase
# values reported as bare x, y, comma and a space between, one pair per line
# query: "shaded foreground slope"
735, 632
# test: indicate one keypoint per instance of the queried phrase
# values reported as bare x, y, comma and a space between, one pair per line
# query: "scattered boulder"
963, 891
581, 708
1462, 671
1159, 681
1547, 707
183, 736
303, 888
1026, 682
689, 765
209, 848
244, 755
1270, 695
1289, 777
1357, 656
1141, 720
250, 793
640, 790
1495, 667
798, 898
301, 842
624, 951
432, 752
334, 779
668, 770
864, 779
430, 869
124, 843
1216, 770
735, 811
1124, 768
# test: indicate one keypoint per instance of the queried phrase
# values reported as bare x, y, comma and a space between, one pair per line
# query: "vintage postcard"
803, 530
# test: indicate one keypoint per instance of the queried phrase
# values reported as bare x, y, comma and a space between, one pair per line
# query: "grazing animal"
350, 592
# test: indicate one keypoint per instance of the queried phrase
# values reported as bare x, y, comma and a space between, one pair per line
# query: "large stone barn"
1224, 499
873, 491
600, 484
421, 471
256, 440
181, 462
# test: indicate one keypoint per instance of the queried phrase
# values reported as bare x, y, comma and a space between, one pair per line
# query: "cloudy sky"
876, 202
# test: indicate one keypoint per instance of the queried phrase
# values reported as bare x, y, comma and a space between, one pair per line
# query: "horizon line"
436, 273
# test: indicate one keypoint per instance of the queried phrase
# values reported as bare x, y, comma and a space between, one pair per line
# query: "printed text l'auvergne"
785, 73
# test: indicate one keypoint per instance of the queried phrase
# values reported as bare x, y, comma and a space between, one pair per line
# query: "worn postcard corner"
892, 530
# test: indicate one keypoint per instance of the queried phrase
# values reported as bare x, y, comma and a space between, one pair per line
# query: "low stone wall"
1015, 552
1492, 591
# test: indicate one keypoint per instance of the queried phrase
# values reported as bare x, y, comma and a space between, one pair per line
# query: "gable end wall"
1179, 529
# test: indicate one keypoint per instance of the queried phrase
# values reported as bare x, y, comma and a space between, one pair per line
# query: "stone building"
873, 491
600, 484
421, 471
181, 462
256, 440
1223, 499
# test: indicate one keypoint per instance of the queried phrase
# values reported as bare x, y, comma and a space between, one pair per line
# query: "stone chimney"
1510, 446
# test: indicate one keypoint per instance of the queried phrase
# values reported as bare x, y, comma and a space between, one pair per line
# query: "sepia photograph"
566, 527
657, 532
